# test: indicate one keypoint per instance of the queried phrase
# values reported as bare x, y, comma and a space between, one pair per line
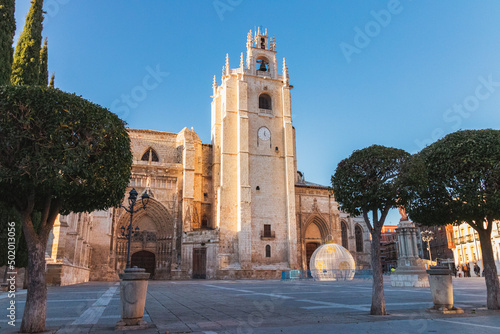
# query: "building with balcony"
388, 247
440, 246
466, 247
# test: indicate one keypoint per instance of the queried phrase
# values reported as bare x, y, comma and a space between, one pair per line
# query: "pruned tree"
26, 64
457, 180
59, 153
52, 79
366, 184
43, 71
7, 31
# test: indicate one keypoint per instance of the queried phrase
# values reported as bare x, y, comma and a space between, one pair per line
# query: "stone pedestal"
133, 290
411, 270
442, 290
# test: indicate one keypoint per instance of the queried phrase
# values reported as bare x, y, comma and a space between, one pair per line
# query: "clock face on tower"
264, 133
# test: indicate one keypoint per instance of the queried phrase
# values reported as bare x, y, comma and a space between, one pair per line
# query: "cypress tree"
26, 65
43, 72
7, 31
51, 83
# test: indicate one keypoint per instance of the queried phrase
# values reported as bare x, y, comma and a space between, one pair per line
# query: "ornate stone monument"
411, 270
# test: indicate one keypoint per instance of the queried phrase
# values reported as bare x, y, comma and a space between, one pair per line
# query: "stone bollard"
133, 290
441, 285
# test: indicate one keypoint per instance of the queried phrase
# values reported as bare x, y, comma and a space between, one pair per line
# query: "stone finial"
242, 61
227, 63
285, 72
214, 86
249, 39
273, 44
223, 72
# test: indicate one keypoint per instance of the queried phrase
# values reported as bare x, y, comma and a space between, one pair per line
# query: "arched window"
358, 232
265, 102
150, 153
268, 251
343, 230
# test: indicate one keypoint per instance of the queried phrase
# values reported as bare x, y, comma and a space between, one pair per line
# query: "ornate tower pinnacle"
261, 39
285, 72
227, 64
214, 85
242, 63
273, 44
249, 39
223, 72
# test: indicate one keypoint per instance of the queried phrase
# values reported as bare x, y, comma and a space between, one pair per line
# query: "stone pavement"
263, 306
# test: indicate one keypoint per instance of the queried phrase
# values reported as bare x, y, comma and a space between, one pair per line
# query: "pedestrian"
464, 269
454, 270
468, 270
477, 269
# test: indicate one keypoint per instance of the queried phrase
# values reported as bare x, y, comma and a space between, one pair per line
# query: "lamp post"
132, 199
427, 236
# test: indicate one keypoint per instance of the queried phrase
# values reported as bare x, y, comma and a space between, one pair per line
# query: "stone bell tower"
253, 163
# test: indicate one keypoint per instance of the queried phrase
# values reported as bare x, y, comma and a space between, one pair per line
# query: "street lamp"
132, 198
427, 236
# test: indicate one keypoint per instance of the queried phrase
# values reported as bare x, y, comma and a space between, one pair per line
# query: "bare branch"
367, 221
55, 208
45, 212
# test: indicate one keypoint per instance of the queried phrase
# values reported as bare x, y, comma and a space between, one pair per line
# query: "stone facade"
466, 247
237, 208
388, 248
441, 248
69, 251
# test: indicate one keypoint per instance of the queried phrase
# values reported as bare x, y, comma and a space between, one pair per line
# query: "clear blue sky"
423, 70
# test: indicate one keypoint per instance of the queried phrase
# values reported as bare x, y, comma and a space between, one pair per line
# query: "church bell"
262, 67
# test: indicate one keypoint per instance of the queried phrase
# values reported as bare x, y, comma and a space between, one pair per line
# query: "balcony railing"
462, 239
469, 238
267, 235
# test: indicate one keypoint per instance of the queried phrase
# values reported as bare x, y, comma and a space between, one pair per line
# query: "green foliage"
7, 31
455, 179
367, 180
43, 71
26, 65
52, 79
60, 146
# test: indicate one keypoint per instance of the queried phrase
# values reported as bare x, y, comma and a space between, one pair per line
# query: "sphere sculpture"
332, 262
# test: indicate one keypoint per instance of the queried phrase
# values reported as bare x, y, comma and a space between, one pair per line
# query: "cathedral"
235, 208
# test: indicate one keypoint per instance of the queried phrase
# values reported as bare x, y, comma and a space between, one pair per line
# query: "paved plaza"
263, 306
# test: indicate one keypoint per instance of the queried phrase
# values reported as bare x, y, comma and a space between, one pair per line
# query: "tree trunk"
490, 271
378, 298
35, 308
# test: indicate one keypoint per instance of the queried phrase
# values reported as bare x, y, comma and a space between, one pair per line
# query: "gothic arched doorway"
315, 234
154, 235
144, 259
